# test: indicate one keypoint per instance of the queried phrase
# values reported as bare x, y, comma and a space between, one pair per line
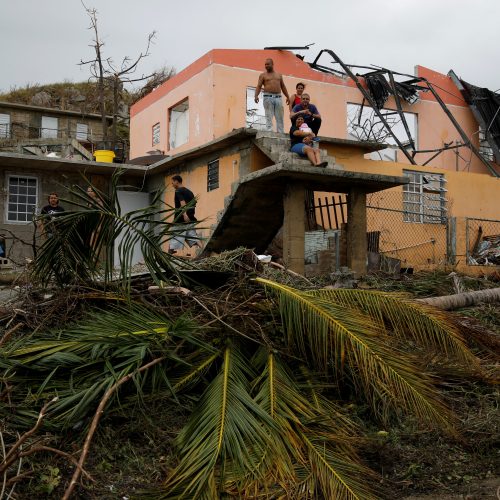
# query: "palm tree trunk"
466, 299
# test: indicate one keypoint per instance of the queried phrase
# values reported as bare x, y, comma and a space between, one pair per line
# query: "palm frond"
82, 246
425, 325
343, 341
336, 475
79, 364
224, 435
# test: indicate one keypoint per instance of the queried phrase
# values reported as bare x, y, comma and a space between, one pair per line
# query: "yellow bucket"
104, 155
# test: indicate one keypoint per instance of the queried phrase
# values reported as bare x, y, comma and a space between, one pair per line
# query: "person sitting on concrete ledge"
302, 142
309, 112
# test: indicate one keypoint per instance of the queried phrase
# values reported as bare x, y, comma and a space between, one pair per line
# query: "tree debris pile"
264, 385
186, 354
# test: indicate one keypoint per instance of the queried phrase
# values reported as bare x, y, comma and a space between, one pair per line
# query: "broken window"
49, 127
485, 150
82, 131
4, 126
213, 175
156, 134
363, 124
256, 116
424, 198
178, 131
22, 198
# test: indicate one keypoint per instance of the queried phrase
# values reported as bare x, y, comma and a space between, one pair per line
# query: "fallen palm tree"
464, 299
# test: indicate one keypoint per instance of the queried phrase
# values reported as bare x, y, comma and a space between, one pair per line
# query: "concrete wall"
199, 91
26, 124
19, 236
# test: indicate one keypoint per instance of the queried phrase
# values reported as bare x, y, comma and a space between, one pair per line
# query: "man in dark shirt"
183, 197
49, 213
309, 112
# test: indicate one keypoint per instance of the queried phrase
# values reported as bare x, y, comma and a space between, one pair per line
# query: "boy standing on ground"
273, 86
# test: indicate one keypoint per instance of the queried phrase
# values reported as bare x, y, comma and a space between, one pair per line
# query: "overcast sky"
43, 40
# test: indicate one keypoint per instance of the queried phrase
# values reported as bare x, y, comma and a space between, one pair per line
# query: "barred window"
82, 131
22, 198
213, 175
4, 126
156, 134
424, 198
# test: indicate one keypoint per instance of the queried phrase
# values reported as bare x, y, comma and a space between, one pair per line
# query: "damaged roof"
485, 105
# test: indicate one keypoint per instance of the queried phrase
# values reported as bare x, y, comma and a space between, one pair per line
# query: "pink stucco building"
206, 122
214, 95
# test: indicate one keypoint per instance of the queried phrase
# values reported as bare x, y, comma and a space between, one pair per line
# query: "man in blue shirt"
309, 112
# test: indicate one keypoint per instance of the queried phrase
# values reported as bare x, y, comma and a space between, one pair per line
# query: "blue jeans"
273, 106
184, 233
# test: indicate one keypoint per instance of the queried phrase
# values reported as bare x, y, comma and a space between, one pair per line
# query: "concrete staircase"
253, 213
277, 148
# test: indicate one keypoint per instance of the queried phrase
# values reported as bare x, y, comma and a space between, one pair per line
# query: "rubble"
486, 252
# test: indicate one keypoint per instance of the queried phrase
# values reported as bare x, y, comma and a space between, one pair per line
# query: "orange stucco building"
192, 118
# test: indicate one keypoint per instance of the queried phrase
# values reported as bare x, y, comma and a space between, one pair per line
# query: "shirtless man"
273, 86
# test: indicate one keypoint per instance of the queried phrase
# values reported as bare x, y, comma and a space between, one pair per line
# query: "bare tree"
114, 76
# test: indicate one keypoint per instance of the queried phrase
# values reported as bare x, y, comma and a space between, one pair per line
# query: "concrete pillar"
294, 228
356, 232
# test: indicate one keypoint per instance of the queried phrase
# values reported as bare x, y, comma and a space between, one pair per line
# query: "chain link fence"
404, 236
394, 244
398, 239
483, 242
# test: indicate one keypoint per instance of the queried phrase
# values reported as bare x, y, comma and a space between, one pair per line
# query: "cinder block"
311, 270
5, 263
326, 261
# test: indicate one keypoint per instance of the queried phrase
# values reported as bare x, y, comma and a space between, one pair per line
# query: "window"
178, 131
213, 175
156, 134
82, 131
485, 150
363, 124
22, 198
4, 126
256, 116
49, 127
424, 198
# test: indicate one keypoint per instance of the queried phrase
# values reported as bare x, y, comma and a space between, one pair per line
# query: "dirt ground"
488, 488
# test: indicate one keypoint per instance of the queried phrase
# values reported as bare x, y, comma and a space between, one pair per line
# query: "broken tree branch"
13, 454
95, 423
9, 333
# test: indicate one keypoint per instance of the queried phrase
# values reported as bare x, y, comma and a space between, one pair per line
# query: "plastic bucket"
104, 155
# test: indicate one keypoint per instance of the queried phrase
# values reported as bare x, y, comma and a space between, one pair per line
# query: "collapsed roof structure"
377, 84
485, 105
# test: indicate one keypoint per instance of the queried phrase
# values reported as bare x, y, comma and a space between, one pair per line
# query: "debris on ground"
134, 448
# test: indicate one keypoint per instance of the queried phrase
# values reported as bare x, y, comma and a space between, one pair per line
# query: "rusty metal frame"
416, 83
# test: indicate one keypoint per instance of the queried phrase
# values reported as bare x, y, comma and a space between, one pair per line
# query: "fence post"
451, 241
